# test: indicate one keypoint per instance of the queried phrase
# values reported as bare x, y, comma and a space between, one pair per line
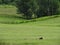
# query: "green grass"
29, 33
6, 9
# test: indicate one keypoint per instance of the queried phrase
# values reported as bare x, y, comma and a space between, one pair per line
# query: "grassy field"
28, 33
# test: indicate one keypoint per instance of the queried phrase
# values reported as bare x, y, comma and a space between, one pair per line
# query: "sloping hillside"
17, 31
29, 33
48, 21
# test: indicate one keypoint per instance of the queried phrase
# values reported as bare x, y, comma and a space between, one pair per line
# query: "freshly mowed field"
7, 9
28, 33
8, 14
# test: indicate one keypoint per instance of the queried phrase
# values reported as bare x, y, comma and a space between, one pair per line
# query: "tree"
0, 1
37, 8
47, 7
7, 1
53, 7
26, 7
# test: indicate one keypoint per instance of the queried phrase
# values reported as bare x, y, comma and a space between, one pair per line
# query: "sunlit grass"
16, 31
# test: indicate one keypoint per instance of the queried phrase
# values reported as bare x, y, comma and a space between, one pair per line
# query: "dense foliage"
35, 8
47, 7
26, 7
7, 1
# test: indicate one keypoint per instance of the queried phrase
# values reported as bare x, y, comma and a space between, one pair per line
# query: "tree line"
35, 8
7, 1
